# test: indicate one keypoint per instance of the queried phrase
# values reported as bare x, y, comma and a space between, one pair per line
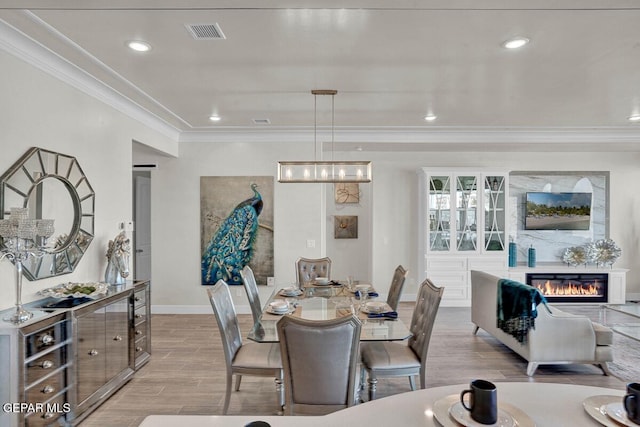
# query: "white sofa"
558, 337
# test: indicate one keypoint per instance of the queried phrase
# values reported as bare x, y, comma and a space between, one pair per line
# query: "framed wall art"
348, 192
236, 228
345, 227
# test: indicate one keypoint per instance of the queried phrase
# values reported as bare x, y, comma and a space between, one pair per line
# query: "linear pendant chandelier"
331, 171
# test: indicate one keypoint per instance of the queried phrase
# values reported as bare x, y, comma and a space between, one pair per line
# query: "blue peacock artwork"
231, 247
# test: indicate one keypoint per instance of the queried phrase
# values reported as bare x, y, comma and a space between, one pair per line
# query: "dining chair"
259, 359
320, 362
308, 269
389, 359
397, 283
251, 287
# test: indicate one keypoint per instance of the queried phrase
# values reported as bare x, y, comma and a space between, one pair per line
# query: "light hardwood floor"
185, 374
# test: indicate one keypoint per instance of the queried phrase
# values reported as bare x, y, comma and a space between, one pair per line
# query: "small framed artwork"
348, 192
345, 227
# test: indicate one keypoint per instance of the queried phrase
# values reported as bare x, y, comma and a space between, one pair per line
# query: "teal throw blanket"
517, 308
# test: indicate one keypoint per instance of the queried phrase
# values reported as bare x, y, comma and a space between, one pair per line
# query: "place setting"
280, 307
290, 291
478, 406
614, 411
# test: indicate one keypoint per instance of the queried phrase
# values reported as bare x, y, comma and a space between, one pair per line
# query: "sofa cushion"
604, 335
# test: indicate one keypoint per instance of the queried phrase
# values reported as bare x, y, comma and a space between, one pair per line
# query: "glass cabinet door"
466, 213
494, 213
439, 213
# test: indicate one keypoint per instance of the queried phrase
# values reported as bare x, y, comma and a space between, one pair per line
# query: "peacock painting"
232, 245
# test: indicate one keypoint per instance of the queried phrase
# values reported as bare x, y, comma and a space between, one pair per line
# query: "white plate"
442, 407
463, 416
367, 309
292, 291
66, 290
278, 313
375, 306
595, 407
617, 413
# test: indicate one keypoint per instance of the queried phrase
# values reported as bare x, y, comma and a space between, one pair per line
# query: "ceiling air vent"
261, 121
205, 31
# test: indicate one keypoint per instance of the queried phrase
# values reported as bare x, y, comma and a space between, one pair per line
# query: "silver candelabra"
22, 238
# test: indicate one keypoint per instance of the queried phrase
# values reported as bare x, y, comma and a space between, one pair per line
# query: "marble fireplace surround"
550, 244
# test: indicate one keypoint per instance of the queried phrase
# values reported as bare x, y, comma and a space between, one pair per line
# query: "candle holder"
22, 238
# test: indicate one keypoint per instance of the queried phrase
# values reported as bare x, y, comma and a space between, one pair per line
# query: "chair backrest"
320, 359
308, 269
251, 287
227, 320
397, 283
424, 316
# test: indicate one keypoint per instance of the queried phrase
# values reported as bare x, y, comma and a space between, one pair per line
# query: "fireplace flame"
570, 289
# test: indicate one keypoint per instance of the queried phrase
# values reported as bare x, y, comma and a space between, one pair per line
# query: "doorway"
142, 229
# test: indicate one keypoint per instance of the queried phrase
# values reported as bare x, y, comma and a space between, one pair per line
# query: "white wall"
299, 212
39, 110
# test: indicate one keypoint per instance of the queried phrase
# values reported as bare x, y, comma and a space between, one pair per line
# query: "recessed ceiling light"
515, 42
430, 117
635, 118
139, 46
215, 118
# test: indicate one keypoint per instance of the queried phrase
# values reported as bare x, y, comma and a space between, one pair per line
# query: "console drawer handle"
48, 389
46, 364
138, 316
117, 338
138, 349
93, 352
138, 332
46, 339
136, 299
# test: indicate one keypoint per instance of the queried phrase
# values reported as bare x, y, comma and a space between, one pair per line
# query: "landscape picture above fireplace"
557, 211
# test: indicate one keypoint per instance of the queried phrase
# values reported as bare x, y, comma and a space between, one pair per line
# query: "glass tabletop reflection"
323, 303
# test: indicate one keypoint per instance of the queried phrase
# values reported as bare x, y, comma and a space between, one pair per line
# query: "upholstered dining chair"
251, 287
258, 359
320, 361
389, 359
397, 283
308, 269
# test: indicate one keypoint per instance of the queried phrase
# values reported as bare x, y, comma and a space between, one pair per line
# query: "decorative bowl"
76, 290
322, 280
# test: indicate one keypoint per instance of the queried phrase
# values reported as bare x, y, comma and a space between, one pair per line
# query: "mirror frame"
37, 165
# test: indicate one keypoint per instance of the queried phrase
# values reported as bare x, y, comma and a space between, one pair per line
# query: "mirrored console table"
63, 363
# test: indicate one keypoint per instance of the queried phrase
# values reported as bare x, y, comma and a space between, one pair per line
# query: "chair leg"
280, 393
531, 368
605, 368
412, 382
227, 394
373, 385
238, 379
475, 330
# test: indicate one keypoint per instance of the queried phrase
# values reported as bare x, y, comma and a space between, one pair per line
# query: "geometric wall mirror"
52, 185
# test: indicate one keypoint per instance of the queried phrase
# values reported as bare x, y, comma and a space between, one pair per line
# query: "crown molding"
23, 47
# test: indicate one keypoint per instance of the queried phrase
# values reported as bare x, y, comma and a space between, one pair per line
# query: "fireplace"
571, 287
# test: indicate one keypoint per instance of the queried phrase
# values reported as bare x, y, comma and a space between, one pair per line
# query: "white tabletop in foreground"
548, 404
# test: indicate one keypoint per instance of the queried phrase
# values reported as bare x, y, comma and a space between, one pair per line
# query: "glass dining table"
327, 302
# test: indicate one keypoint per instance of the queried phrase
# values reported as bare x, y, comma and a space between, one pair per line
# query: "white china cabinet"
463, 227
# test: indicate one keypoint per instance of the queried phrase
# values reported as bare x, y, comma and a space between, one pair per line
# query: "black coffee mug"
632, 402
483, 401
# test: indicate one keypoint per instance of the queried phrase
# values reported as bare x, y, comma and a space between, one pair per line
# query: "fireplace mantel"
617, 276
